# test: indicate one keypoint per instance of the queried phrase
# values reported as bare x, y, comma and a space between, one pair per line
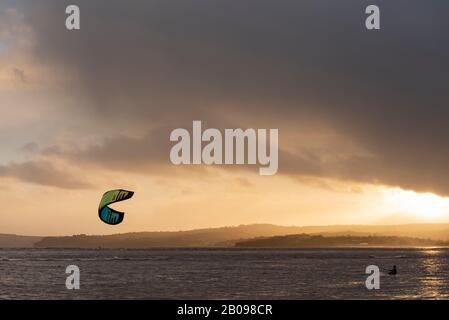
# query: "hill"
229, 236
16, 241
223, 237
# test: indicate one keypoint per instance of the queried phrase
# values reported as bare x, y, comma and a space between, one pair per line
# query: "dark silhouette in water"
393, 271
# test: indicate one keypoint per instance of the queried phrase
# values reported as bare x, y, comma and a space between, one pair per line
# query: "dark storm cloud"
280, 61
374, 169
121, 153
42, 173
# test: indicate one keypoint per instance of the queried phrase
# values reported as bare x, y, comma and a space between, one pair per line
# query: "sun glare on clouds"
427, 206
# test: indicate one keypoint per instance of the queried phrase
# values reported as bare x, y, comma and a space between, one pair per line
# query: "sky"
362, 115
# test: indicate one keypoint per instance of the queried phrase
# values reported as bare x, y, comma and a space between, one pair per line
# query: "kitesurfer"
393, 271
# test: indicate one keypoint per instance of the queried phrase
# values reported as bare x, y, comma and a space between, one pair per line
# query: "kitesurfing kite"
108, 215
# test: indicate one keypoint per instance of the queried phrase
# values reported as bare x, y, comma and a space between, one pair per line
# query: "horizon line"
233, 226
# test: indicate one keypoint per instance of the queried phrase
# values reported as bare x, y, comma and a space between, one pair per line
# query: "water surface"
224, 274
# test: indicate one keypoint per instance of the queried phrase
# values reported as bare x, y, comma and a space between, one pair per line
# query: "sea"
224, 273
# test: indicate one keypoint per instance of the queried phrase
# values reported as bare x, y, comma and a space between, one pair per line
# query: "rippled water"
224, 274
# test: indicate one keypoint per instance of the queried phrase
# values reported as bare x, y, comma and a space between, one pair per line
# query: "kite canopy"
108, 215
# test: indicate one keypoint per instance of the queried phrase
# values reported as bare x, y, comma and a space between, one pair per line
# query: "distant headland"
254, 235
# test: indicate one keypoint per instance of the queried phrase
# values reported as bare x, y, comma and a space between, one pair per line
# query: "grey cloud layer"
42, 173
277, 62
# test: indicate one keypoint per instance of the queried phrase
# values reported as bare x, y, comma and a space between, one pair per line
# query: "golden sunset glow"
86, 111
423, 205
